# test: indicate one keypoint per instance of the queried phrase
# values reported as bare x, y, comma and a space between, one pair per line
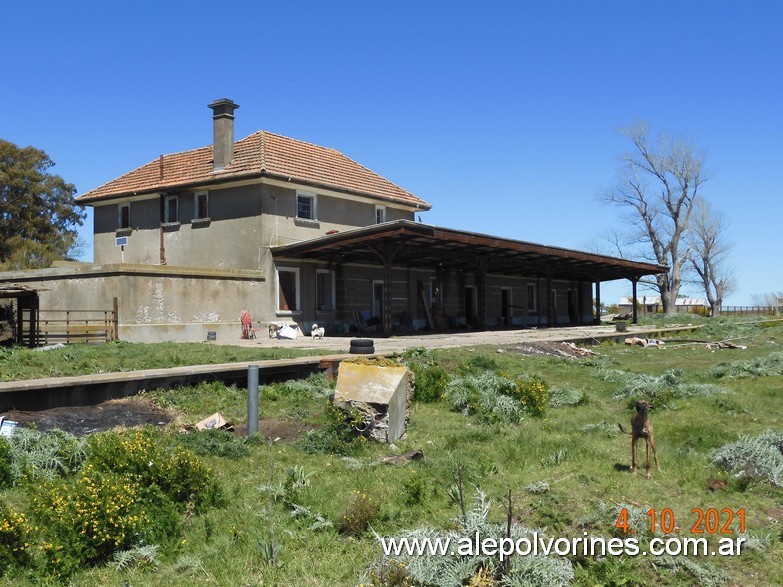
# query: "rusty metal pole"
252, 400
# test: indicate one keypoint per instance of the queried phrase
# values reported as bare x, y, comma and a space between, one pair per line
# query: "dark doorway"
505, 306
470, 305
573, 316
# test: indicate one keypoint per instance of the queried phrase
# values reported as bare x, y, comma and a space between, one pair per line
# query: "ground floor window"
288, 290
324, 289
531, 297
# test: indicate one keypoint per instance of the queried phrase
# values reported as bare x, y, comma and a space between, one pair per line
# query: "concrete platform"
39, 394
465, 338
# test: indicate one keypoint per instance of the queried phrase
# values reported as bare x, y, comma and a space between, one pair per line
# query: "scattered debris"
214, 422
582, 352
711, 345
725, 345
644, 342
566, 350
288, 332
50, 347
411, 455
619, 317
7, 427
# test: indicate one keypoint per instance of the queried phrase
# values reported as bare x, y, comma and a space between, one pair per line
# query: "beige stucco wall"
244, 222
156, 303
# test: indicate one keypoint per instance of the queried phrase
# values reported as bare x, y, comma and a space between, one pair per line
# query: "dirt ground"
136, 411
81, 420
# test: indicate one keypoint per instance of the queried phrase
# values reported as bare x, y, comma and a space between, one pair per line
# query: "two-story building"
295, 232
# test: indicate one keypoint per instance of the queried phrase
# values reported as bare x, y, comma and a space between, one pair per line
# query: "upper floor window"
200, 205
305, 206
123, 215
380, 214
171, 209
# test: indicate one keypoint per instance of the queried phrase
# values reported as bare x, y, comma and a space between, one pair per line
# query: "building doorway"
506, 311
470, 305
377, 300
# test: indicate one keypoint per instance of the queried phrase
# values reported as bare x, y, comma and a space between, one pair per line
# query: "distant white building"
653, 305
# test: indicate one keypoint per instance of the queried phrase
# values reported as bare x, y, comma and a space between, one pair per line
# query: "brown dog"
641, 427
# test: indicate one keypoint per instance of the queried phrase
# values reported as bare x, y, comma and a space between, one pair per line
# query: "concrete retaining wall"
156, 303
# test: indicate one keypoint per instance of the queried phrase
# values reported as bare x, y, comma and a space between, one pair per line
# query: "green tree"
38, 218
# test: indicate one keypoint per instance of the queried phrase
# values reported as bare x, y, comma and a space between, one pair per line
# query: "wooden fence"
749, 311
72, 326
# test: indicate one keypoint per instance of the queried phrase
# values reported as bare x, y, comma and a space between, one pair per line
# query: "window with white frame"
531, 297
380, 214
123, 215
171, 209
201, 206
305, 206
288, 289
324, 290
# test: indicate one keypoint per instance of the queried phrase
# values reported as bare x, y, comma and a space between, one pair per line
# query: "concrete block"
381, 393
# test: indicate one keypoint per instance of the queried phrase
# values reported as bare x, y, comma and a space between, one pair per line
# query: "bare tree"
771, 300
658, 185
710, 249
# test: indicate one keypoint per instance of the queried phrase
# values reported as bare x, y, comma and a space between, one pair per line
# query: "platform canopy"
413, 244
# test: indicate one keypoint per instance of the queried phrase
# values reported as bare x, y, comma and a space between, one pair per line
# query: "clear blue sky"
503, 115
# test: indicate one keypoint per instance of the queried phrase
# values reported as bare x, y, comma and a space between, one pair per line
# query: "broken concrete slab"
381, 392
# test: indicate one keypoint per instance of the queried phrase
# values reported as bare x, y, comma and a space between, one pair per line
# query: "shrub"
86, 521
494, 397
533, 394
479, 364
757, 457
417, 487
387, 573
15, 538
6, 462
566, 396
150, 461
316, 386
662, 390
46, 455
337, 435
430, 381
770, 365
453, 568
358, 515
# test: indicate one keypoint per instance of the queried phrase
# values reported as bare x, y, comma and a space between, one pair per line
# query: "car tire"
361, 342
362, 350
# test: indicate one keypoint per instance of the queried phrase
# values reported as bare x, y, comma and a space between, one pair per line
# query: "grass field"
296, 516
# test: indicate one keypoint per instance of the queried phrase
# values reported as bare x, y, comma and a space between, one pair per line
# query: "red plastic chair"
248, 331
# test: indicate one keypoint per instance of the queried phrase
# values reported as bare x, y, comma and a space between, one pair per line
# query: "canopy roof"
413, 244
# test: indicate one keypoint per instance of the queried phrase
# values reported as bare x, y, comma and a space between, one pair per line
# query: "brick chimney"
223, 132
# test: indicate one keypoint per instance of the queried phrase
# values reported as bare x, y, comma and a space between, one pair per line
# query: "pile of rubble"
565, 350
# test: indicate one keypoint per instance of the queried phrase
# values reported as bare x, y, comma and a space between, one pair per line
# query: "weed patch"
759, 367
755, 457
495, 398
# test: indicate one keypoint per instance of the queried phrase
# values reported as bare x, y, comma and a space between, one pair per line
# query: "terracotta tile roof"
262, 154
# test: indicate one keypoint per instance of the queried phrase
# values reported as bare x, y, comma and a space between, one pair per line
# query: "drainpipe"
162, 244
